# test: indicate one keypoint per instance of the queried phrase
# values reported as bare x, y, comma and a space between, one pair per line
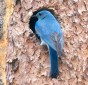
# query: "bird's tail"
53, 62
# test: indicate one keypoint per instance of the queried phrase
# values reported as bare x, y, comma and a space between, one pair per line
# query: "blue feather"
54, 63
49, 30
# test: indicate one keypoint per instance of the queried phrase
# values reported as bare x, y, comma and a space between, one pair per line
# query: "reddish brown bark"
28, 63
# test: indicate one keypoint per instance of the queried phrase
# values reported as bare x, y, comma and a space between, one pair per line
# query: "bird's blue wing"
57, 41
53, 37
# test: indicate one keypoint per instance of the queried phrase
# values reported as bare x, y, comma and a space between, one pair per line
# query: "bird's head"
42, 14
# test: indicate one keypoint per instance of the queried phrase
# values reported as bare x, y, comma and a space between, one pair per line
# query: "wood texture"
4, 41
28, 63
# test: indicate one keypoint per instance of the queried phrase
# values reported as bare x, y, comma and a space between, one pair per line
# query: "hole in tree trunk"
33, 20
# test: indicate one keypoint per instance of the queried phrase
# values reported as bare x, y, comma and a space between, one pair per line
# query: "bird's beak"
34, 16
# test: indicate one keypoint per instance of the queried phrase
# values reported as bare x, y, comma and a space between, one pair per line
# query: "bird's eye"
40, 14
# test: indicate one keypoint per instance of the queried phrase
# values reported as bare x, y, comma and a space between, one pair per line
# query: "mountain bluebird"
49, 31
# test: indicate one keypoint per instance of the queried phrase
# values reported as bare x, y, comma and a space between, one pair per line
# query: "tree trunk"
27, 63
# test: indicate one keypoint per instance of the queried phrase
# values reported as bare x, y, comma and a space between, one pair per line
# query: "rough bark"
2, 62
6, 8
2, 13
28, 64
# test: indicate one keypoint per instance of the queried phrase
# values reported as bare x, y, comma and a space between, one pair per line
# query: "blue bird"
50, 33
